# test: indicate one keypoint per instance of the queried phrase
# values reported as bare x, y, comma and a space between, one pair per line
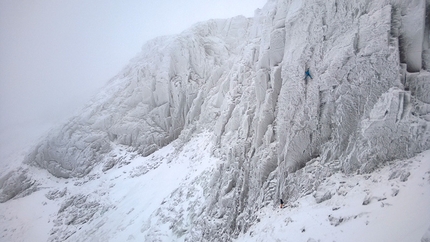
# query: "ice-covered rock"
15, 183
55, 194
411, 39
322, 196
73, 213
148, 104
278, 132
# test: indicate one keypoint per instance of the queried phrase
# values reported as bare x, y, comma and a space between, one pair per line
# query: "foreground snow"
126, 202
390, 204
115, 205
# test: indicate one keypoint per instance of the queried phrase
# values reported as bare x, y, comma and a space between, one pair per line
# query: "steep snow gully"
273, 132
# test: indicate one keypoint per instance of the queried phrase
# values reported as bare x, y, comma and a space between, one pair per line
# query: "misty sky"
56, 54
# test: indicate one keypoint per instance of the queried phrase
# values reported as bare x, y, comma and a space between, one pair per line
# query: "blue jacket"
308, 74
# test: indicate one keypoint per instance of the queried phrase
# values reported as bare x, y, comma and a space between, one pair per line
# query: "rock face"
150, 102
15, 183
367, 102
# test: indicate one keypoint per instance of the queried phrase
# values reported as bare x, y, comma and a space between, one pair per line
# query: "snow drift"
243, 80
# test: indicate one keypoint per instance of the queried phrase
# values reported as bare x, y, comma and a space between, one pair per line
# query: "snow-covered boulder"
15, 183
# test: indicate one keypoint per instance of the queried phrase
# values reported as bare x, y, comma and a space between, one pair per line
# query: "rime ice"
275, 132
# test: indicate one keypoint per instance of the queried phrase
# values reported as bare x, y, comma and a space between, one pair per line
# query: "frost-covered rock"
74, 212
278, 133
148, 104
55, 194
322, 196
15, 183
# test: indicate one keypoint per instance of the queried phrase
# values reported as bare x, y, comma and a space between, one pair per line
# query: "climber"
282, 203
307, 74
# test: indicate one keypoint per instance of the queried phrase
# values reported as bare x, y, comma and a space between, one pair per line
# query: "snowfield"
125, 204
390, 204
201, 134
113, 205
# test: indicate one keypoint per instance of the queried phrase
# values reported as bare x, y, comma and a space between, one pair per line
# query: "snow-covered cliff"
243, 80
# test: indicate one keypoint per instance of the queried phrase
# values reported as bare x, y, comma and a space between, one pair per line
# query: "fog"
55, 55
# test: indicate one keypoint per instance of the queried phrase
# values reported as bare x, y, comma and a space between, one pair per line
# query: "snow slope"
390, 204
113, 205
274, 132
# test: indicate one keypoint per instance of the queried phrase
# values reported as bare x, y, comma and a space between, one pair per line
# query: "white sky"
56, 54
